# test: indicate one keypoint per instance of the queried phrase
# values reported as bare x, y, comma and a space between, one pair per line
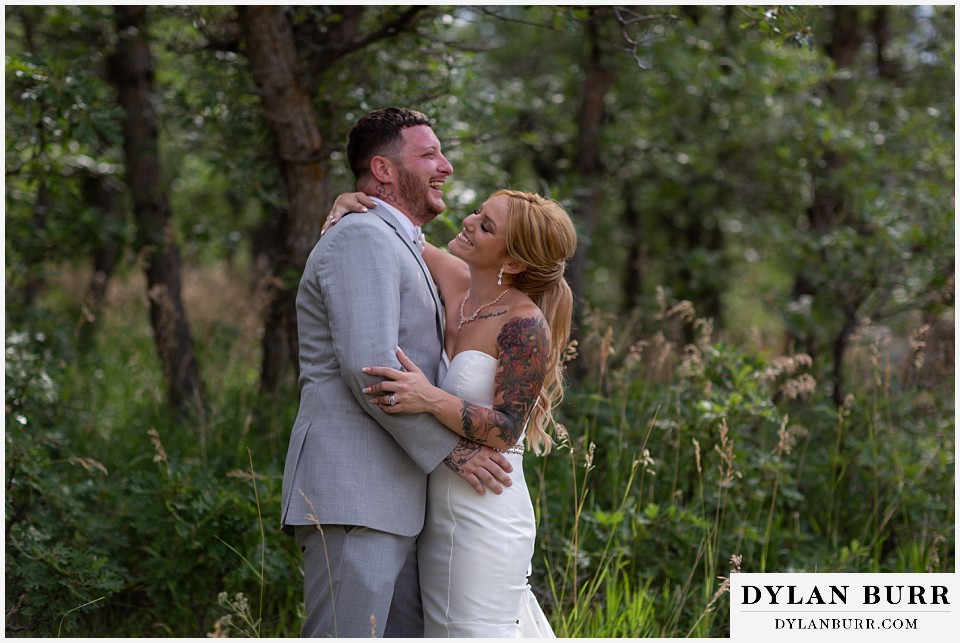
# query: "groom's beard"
416, 196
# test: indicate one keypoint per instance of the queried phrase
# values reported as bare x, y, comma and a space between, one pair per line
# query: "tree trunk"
597, 81
886, 68
633, 269
290, 116
828, 208
132, 71
687, 235
845, 40
101, 192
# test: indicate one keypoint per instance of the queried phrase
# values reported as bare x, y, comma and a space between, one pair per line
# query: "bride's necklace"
467, 320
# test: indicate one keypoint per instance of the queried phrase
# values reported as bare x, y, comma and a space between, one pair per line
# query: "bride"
508, 315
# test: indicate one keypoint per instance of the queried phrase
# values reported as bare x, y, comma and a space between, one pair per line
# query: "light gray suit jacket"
365, 290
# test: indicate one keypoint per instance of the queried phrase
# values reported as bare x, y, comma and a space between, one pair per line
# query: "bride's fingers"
381, 388
406, 362
499, 471
354, 202
351, 202
364, 200
383, 401
348, 202
489, 481
335, 215
382, 371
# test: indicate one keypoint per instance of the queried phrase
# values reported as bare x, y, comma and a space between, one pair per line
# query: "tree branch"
322, 57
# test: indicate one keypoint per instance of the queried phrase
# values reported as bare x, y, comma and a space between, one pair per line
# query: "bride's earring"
500, 277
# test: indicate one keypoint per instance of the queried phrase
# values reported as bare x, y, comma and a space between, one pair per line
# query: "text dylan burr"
838, 594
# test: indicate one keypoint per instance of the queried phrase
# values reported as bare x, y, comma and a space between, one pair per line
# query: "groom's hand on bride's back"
482, 467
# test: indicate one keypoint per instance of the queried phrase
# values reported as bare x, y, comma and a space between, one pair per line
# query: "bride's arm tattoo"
461, 454
524, 350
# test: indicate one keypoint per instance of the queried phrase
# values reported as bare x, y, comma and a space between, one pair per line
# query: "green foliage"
678, 457
185, 522
733, 457
783, 24
63, 134
695, 445
894, 241
56, 557
63, 116
220, 192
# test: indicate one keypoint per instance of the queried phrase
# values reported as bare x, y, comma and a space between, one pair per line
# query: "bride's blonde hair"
540, 234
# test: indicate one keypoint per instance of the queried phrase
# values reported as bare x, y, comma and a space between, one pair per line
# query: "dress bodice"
470, 376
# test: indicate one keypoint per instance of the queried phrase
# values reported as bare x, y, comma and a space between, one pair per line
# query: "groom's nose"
445, 166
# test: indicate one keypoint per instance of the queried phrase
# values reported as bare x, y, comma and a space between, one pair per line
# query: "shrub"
56, 562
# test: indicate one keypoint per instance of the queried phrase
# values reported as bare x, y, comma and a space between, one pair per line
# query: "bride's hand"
346, 202
406, 391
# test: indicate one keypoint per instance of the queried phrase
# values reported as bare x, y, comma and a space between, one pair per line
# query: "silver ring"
392, 399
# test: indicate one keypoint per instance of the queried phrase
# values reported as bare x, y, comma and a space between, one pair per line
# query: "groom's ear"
383, 169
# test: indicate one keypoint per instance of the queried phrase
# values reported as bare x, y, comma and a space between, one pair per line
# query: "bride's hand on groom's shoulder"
346, 202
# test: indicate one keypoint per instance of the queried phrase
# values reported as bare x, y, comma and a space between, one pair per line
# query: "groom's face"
422, 170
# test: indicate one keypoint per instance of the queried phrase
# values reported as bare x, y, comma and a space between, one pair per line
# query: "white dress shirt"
414, 233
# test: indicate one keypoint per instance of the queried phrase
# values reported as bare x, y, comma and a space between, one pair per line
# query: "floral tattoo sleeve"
462, 453
524, 350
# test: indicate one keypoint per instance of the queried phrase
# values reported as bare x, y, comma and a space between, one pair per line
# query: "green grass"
681, 464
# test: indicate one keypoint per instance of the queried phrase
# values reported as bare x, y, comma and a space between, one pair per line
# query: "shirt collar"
405, 223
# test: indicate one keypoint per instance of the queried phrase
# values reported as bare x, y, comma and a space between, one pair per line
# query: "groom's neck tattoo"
524, 350
384, 195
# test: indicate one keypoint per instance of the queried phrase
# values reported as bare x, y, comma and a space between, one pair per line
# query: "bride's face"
482, 242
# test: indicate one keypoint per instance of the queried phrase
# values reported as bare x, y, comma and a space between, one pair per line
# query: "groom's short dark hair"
379, 133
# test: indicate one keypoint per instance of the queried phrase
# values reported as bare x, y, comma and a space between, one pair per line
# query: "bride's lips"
463, 239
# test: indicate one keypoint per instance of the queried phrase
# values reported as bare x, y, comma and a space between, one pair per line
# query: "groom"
354, 483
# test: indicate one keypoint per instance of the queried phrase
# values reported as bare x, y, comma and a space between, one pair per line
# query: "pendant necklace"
467, 320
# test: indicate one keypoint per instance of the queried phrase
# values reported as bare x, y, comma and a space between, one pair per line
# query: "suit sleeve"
360, 275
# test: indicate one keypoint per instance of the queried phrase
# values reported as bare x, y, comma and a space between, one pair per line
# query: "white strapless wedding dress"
475, 551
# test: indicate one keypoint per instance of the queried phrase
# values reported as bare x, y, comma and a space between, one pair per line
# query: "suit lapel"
408, 244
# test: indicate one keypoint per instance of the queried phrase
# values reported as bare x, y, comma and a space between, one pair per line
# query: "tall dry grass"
685, 459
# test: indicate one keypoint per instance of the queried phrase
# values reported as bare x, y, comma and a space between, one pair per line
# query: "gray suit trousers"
359, 583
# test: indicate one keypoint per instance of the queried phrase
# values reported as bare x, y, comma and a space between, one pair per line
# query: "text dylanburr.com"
844, 607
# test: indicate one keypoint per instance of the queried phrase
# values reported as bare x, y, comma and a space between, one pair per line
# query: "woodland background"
763, 373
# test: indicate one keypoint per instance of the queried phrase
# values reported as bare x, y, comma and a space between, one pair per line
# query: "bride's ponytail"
540, 234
